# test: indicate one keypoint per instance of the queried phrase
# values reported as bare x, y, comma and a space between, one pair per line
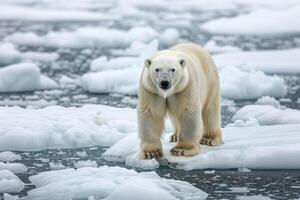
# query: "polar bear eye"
172, 70
157, 70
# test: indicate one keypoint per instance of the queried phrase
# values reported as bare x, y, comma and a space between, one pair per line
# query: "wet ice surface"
219, 184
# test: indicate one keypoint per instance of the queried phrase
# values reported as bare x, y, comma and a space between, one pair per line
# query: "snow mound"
257, 147
110, 183
9, 156
24, 77
10, 182
121, 80
266, 100
260, 22
9, 55
91, 37
268, 115
269, 61
244, 84
59, 127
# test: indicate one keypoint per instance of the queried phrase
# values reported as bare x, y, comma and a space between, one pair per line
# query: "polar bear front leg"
150, 130
189, 134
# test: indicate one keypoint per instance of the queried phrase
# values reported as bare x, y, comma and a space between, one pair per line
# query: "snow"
15, 168
257, 147
110, 183
269, 61
60, 127
262, 21
10, 182
266, 100
121, 80
88, 37
9, 55
24, 77
86, 163
9, 156
250, 84
268, 115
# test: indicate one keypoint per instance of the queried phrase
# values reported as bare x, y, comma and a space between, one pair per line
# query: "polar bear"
181, 82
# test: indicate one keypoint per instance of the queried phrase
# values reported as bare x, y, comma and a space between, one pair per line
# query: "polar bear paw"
151, 150
173, 137
179, 151
212, 141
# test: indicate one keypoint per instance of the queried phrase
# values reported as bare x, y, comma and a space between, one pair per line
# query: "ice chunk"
266, 100
269, 61
258, 147
114, 183
260, 22
123, 81
10, 182
59, 127
9, 55
24, 77
268, 115
243, 84
13, 167
102, 63
86, 163
213, 47
9, 156
88, 37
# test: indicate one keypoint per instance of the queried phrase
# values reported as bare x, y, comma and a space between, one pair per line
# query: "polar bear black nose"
164, 85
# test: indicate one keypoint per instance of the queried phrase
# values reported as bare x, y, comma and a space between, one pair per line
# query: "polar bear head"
167, 74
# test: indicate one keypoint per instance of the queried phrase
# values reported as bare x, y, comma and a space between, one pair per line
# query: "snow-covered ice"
9, 156
24, 77
257, 147
60, 127
268, 115
13, 167
90, 37
250, 84
86, 163
110, 183
9, 55
269, 61
10, 182
263, 21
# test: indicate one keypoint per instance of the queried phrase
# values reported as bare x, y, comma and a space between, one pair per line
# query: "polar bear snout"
164, 84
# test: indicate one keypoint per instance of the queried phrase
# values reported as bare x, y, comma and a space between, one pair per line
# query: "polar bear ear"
148, 62
182, 62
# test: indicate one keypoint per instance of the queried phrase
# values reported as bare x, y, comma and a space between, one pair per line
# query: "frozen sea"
85, 52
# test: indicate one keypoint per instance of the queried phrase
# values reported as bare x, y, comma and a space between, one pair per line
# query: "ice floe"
256, 147
269, 61
10, 182
9, 156
263, 21
60, 127
13, 167
110, 183
10, 55
268, 115
24, 77
94, 37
